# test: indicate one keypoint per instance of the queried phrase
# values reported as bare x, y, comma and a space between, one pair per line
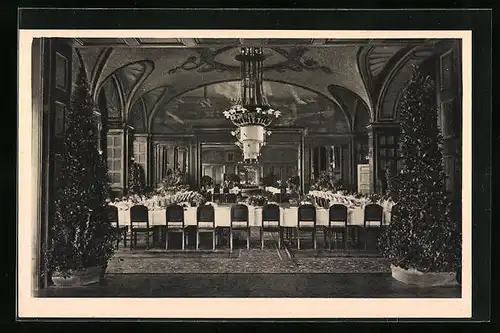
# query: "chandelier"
251, 113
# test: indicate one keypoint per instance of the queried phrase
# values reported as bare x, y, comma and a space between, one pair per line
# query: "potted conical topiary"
82, 239
422, 242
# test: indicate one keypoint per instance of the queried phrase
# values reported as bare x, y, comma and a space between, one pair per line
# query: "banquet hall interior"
243, 126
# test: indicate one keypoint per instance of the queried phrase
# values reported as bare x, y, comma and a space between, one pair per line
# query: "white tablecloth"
289, 216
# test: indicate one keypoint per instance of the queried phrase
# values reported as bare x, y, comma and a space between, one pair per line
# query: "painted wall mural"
203, 108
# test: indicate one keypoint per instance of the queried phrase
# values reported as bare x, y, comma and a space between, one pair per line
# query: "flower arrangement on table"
353, 199
326, 181
206, 182
257, 200
307, 200
186, 198
175, 181
174, 189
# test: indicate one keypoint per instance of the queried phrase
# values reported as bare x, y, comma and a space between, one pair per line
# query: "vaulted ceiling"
153, 72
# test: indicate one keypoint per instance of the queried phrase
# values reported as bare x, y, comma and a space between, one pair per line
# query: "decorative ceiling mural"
203, 107
130, 75
223, 59
187, 68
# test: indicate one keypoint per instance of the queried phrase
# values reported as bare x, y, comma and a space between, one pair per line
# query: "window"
362, 152
140, 152
388, 155
115, 159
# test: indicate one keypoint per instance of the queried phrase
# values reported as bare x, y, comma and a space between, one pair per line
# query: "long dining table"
289, 216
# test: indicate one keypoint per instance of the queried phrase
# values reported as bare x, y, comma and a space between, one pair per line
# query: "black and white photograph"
208, 167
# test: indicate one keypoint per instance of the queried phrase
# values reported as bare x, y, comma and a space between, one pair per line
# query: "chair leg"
298, 239
280, 236
125, 238
166, 239
183, 240
314, 238
231, 239
197, 240
147, 240
261, 237
248, 238
213, 239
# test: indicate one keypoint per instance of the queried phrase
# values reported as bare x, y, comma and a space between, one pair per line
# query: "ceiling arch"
203, 107
186, 68
138, 117
350, 100
362, 118
114, 98
375, 63
170, 94
129, 78
397, 79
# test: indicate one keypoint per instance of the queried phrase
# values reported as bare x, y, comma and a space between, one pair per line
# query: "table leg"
298, 238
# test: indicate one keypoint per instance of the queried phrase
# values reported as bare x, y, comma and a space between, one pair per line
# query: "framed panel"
114, 158
446, 70
59, 118
58, 161
449, 169
61, 64
446, 116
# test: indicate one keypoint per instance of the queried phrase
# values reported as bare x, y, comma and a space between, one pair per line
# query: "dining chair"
337, 223
205, 222
373, 218
306, 222
174, 216
271, 218
239, 221
139, 223
121, 231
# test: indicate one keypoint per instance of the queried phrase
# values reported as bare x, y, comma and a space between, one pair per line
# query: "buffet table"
289, 216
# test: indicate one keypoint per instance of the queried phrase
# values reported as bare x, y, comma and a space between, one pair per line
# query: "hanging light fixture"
251, 112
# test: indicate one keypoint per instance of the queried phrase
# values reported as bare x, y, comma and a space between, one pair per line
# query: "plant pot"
432, 279
81, 277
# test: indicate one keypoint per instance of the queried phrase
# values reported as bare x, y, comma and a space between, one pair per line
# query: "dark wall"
54, 91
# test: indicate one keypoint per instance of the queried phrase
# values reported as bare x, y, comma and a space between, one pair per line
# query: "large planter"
415, 277
90, 275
